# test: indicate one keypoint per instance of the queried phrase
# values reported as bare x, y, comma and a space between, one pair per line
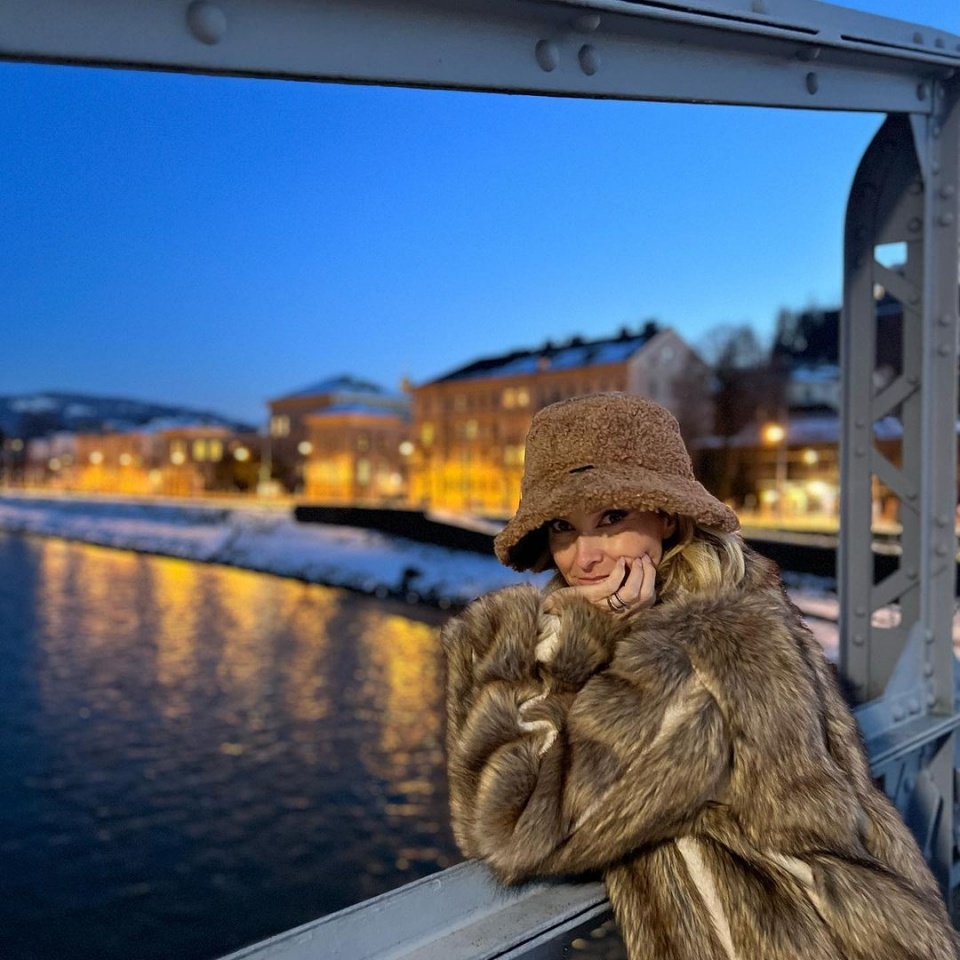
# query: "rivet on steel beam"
936, 131
945, 218
548, 56
918, 37
914, 299
915, 224
948, 191
759, 6
588, 23
942, 520
858, 639
861, 611
929, 636
935, 168
861, 423
813, 84
861, 451
942, 550
921, 91
938, 43
931, 699
913, 380
944, 319
207, 22
928, 669
944, 350
911, 574
911, 494
589, 59
915, 705
899, 713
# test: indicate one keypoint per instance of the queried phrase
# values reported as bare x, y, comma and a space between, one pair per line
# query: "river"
193, 758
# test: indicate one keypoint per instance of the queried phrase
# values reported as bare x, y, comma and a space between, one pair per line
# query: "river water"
193, 758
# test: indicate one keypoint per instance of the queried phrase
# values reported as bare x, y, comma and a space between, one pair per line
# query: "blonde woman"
660, 713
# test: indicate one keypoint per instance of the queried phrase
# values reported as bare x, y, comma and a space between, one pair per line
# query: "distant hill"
29, 415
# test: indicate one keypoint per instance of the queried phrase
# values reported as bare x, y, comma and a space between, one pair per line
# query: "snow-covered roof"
576, 353
345, 384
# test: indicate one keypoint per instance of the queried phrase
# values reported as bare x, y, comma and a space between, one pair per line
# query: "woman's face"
586, 545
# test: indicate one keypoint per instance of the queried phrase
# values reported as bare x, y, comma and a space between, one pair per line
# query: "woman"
661, 714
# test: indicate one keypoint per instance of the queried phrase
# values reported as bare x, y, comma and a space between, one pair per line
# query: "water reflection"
216, 755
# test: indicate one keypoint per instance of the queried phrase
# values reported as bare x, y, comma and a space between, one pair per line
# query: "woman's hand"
631, 586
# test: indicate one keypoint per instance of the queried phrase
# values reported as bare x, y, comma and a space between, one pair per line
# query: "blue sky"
216, 242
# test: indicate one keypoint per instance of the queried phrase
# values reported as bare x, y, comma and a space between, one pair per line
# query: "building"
356, 454
289, 443
469, 426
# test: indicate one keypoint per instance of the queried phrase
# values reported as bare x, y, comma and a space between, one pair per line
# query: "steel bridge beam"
788, 53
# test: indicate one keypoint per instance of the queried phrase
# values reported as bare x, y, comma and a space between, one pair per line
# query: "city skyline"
219, 242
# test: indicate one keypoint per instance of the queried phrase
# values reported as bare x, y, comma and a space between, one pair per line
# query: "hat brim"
523, 541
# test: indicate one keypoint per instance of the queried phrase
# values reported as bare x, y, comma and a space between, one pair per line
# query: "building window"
215, 450
426, 434
363, 442
523, 397
509, 398
199, 450
363, 472
280, 426
470, 430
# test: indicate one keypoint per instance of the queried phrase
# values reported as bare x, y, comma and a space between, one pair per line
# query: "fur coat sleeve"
564, 732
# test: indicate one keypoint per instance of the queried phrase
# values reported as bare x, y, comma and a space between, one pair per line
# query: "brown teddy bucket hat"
606, 450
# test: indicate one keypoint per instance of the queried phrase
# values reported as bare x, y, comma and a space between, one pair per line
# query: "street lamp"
775, 434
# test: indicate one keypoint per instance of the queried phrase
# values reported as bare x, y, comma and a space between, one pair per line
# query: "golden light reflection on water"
253, 712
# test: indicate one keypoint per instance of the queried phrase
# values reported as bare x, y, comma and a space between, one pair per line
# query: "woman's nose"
588, 551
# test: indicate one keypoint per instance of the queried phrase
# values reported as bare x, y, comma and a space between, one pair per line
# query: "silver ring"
621, 604
610, 604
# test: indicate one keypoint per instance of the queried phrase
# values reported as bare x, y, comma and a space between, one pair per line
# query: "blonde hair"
698, 560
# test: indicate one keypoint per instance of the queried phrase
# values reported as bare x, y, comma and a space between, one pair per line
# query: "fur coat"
699, 755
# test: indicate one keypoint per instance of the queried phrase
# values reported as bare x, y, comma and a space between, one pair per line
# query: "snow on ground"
269, 540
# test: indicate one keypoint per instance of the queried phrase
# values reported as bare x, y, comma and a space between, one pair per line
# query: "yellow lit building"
355, 455
469, 426
290, 443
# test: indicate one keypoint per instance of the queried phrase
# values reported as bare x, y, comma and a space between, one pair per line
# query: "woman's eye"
560, 526
613, 516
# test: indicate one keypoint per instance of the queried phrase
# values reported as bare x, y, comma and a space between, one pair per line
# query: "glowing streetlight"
775, 434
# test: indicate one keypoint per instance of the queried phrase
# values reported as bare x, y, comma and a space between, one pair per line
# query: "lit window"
426, 434
242, 454
216, 450
406, 448
96, 457
304, 448
470, 429
509, 397
523, 397
199, 450
363, 472
177, 457
280, 425
125, 459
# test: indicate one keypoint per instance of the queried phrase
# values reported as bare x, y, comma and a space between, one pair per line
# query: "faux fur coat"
699, 755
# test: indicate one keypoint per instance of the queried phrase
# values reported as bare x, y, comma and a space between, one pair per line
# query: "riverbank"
266, 538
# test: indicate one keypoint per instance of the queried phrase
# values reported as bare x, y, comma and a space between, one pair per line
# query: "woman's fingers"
639, 589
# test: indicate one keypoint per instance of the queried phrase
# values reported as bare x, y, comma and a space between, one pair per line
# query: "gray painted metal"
793, 53
905, 193
788, 53
460, 912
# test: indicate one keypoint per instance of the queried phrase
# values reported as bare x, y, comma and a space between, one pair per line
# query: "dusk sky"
217, 242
